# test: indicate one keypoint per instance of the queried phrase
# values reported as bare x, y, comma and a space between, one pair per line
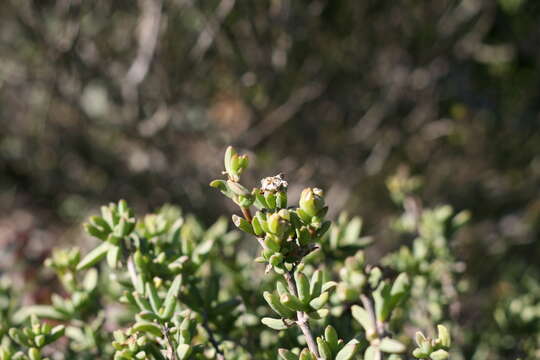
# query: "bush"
164, 287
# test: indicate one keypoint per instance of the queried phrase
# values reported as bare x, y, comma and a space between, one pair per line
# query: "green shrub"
286, 284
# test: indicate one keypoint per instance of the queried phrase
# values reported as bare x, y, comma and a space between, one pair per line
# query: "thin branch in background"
212, 339
149, 24
208, 34
283, 113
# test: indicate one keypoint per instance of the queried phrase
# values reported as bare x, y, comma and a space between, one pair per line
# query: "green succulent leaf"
94, 256
276, 324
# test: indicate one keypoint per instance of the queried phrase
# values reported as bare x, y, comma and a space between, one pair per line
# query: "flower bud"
276, 259
284, 214
34, 353
234, 163
443, 336
312, 201
271, 243
439, 355
277, 225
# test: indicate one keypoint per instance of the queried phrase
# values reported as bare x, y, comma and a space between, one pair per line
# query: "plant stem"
212, 339
302, 319
170, 344
247, 213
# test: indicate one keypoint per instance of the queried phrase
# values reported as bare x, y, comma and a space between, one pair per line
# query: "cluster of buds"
35, 337
234, 164
115, 224
130, 346
286, 234
64, 263
434, 349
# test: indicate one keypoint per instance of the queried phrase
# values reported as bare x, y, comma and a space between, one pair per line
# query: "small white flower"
274, 183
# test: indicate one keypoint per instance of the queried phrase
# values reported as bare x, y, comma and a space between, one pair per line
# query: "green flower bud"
40, 341
312, 201
34, 354
271, 243
276, 259
418, 353
443, 336
284, 214
420, 339
234, 163
277, 225
439, 355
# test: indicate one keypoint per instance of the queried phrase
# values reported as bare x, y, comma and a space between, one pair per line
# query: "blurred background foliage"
101, 100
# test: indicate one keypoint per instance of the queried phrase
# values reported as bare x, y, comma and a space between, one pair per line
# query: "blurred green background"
101, 100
